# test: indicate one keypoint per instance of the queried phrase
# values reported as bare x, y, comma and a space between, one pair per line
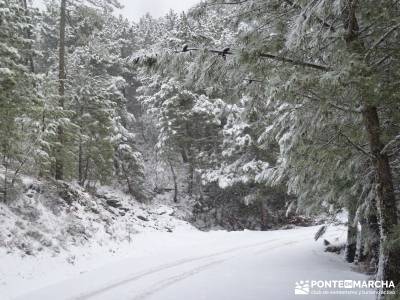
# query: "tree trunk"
86, 169
264, 217
28, 36
368, 241
190, 178
389, 260
61, 91
80, 163
373, 240
351, 244
43, 129
175, 182
5, 191
80, 150
361, 238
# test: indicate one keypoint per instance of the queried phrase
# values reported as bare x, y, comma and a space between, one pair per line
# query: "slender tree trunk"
80, 154
264, 217
389, 260
190, 178
184, 155
43, 129
360, 242
187, 159
351, 244
175, 182
86, 169
29, 36
61, 91
129, 184
80, 163
5, 191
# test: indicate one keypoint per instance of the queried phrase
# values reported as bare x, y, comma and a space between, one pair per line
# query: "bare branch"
359, 148
382, 38
275, 57
390, 144
334, 105
250, 80
226, 3
295, 62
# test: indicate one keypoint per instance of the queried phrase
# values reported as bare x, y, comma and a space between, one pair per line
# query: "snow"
186, 264
39, 222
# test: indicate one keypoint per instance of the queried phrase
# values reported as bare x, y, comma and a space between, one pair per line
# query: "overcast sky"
134, 9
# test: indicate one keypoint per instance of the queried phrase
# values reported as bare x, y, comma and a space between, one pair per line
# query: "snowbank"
53, 217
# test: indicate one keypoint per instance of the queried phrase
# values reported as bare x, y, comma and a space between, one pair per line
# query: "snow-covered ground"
50, 219
185, 264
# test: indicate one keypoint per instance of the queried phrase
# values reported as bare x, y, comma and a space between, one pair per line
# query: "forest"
250, 114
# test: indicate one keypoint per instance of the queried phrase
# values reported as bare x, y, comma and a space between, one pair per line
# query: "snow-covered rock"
55, 216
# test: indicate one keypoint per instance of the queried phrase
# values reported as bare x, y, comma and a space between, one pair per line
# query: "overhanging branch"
357, 147
294, 61
228, 51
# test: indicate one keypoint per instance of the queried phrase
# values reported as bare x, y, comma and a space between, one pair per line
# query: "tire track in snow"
258, 252
167, 266
174, 279
160, 285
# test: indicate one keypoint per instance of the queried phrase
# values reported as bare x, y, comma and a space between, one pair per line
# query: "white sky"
134, 9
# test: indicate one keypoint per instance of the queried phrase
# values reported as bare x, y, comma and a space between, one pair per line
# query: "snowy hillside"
53, 218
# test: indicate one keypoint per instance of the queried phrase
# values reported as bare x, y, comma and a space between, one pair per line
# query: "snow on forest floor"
185, 264
48, 218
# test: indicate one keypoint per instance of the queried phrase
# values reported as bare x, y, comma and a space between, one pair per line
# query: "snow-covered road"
196, 265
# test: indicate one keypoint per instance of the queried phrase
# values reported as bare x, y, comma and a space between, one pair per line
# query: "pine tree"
18, 94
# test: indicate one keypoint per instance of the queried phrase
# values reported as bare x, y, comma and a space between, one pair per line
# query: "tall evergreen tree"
18, 94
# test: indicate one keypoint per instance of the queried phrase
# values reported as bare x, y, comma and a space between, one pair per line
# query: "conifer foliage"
313, 85
63, 105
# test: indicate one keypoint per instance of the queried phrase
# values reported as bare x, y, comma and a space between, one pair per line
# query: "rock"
335, 248
288, 227
101, 196
71, 259
300, 221
158, 190
67, 193
29, 252
143, 218
114, 203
